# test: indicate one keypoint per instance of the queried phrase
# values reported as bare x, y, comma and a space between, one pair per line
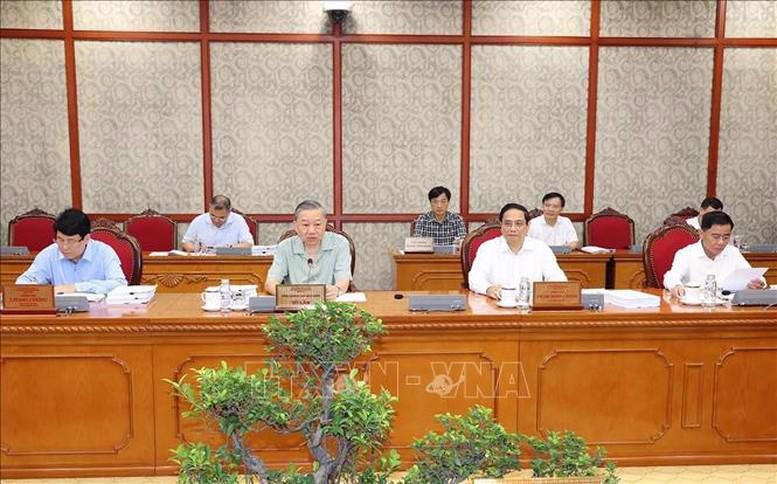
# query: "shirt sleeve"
41, 271
419, 227
114, 276
571, 235
551, 271
244, 235
461, 232
478, 273
191, 232
280, 264
679, 270
343, 262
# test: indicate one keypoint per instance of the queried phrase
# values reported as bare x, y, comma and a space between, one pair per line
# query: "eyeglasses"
509, 224
68, 242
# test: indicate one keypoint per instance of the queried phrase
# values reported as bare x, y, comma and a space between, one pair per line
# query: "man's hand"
332, 292
494, 292
678, 291
756, 284
64, 289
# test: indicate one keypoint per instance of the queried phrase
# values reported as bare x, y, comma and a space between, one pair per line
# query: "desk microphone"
310, 262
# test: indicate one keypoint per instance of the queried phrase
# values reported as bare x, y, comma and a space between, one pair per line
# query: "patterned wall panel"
268, 16
401, 125
439, 17
652, 131
34, 151
146, 15
374, 267
140, 126
521, 17
747, 158
270, 232
528, 125
658, 18
751, 18
272, 124
24, 14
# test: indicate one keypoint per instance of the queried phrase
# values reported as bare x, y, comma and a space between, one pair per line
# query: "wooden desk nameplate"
556, 295
28, 299
293, 297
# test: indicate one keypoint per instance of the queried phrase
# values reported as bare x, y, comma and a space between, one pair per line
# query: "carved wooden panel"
693, 395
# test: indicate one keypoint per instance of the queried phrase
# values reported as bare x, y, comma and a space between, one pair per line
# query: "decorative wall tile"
652, 131
34, 149
140, 126
522, 17
401, 125
751, 18
427, 17
747, 156
272, 124
268, 16
374, 266
269, 233
144, 15
528, 125
25, 14
658, 18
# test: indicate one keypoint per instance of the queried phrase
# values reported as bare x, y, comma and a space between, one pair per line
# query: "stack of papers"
91, 297
592, 249
263, 249
131, 295
626, 298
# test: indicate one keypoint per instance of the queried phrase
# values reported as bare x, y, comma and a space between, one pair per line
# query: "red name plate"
28, 299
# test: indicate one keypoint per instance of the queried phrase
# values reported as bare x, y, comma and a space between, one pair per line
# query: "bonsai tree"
342, 422
566, 455
470, 445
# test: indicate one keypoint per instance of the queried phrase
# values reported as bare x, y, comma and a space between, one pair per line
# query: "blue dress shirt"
97, 271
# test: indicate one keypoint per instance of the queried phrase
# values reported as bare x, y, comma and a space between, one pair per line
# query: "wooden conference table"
83, 395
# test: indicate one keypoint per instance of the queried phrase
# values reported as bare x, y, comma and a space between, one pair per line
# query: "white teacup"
507, 295
211, 297
692, 292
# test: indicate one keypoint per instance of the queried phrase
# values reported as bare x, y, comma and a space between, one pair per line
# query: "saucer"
211, 309
236, 307
505, 304
699, 302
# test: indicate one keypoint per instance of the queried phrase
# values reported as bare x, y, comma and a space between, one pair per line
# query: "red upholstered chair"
125, 245
253, 225
681, 216
471, 244
153, 230
351, 245
609, 229
33, 229
660, 248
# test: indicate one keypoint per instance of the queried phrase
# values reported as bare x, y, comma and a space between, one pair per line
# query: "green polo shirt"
290, 264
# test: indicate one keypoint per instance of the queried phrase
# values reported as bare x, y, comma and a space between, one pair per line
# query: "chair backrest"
125, 245
329, 228
610, 229
471, 244
33, 229
152, 230
660, 248
253, 225
685, 213
534, 213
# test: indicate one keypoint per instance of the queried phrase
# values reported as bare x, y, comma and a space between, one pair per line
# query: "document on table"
740, 278
352, 297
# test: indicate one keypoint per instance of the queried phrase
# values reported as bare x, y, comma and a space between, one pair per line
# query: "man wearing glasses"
75, 262
219, 227
503, 261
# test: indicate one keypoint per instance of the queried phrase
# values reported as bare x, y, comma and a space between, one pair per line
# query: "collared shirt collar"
503, 247
227, 222
699, 253
446, 218
327, 243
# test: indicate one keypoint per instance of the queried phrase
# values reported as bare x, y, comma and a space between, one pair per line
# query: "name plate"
29, 299
556, 295
293, 297
419, 244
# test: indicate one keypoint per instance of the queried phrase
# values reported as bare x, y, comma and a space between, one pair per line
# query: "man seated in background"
712, 254
75, 262
551, 227
313, 256
708, 205
503, 261
443, 226
219, 227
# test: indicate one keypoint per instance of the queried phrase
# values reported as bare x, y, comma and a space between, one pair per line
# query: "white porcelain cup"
211, 297
692, 292
508, 294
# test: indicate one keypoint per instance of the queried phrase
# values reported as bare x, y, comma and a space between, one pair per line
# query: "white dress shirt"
561, 233
693, 222
495, 263
234, 230
691, 264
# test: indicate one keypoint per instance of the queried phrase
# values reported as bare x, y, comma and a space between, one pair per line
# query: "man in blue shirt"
75, 262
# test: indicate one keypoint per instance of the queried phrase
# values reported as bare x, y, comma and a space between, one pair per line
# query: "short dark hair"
514, 206
712, 202
552, 195
221, 202
715, 218
72, 222
437, 191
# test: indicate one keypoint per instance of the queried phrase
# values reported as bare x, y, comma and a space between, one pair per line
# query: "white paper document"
352, 297
627, 298
740, 278
88, 295
159, 253
593, 249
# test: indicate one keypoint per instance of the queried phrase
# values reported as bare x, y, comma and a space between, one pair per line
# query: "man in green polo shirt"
313, 256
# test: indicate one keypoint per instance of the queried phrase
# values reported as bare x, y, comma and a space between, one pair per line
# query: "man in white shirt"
219, 227
709, 204
712, 254
503, 261
551, 227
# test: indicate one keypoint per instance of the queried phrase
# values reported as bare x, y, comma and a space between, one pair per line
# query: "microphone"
310, 262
